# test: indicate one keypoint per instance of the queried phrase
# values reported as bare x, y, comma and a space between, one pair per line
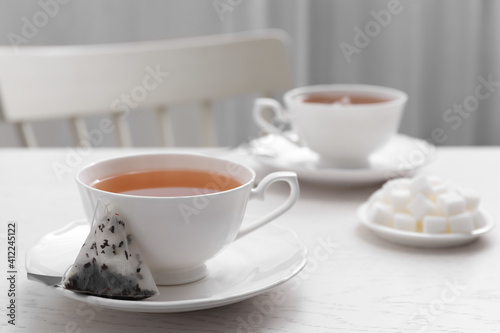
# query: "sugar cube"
479, 219
385, 193
421, 206
400, 199
434, 180
388, 186
379, 195
462, 223
471, 198
434, 225
437, 190
381, 213
450, 203
405, 222
402, 183
420, 184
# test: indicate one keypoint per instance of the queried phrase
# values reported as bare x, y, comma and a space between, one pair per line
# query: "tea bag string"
102, 209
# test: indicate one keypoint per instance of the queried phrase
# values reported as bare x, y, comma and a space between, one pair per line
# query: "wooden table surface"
361, 284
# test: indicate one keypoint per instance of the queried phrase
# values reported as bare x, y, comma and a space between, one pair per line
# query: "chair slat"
79, 129
208, 121
165, 126
122, 129
27, 134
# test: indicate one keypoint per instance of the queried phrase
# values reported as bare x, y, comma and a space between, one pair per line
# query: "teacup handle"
259, 193
260, 105
263, 103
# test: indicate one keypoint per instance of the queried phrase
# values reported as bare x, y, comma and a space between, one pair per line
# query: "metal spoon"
47, 280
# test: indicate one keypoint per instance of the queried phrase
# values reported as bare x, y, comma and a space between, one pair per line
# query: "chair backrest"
39, 83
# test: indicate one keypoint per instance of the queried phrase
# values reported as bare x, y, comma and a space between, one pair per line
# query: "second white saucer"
401, 157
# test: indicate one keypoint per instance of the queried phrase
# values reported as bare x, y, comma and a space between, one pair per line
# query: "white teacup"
177, 235
343, 134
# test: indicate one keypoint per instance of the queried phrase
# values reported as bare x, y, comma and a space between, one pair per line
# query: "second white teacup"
344, 124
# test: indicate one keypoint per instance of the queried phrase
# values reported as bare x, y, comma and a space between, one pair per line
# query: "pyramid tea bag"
109, 263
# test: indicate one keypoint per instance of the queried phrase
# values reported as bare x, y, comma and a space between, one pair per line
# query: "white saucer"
418, 239
246, 268
401, 157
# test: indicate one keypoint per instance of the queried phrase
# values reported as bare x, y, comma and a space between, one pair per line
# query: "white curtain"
442, 53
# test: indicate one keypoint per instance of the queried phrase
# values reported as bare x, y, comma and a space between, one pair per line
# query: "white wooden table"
362, 284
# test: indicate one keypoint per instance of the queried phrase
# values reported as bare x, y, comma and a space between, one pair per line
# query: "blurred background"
444, 54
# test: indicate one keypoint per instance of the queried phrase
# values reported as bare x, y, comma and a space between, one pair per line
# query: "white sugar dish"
425, 211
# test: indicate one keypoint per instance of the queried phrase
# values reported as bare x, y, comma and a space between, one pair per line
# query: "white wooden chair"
40, 83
